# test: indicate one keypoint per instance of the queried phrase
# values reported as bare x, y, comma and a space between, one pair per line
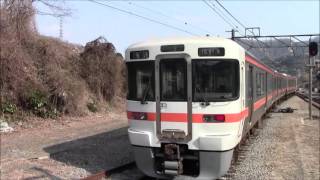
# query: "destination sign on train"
144, 54
172, 48
216, 51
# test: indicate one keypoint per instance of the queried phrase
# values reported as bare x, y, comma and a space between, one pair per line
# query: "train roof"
201, 41
273, 70
184, 40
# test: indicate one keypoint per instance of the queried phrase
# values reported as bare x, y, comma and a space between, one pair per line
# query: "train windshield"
141, 81
215, 80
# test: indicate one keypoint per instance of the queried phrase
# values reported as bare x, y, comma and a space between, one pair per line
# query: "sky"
90, 20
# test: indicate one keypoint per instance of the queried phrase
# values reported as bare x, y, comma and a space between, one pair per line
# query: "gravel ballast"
286, 148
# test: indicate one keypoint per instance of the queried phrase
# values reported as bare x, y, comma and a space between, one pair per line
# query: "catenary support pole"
310, 85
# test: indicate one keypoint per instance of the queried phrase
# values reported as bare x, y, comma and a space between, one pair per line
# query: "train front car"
186, 105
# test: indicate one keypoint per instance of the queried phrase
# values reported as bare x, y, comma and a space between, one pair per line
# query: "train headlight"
212, 118
138, 116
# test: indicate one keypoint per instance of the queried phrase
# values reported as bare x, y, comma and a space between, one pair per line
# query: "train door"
173, 97
266, 90
250, 98
277, 87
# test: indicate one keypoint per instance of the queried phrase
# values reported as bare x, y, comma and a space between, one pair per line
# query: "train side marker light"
212, 118
139, 116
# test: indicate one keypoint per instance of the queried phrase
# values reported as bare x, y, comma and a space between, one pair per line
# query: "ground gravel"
286, 148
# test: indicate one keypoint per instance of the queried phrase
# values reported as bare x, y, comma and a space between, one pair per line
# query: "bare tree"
56, 8
18, 14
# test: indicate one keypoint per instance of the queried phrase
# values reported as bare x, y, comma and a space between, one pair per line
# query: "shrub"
101, 67
37, 100
38, 103
8, 107
92, 106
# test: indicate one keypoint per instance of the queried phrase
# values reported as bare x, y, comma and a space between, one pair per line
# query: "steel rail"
107, 173
306, 99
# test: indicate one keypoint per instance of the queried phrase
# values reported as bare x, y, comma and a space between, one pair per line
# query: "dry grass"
68, 78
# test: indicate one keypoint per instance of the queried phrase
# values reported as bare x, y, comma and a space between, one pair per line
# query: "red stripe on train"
259, 103
251, 60
196, 118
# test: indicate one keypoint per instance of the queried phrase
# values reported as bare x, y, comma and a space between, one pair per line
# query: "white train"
191, 101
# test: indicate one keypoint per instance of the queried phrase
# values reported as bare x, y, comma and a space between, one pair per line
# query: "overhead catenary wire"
171, 17
223, 18
224, 15
241, 24
236, 19
143, 17
230, 14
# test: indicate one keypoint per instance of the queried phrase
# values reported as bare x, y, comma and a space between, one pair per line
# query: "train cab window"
173, 80
141, 81
215, 80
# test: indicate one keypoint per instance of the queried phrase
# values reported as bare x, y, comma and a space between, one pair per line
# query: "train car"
191, 100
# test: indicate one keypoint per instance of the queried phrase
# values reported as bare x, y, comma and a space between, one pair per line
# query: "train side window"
262, 77
261, 81
258, 84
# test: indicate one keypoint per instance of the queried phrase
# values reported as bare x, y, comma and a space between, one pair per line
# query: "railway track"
107, 173
240, 153
315, 103
239, 156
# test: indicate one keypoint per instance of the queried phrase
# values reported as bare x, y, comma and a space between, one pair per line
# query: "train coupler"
173, 168
172, 164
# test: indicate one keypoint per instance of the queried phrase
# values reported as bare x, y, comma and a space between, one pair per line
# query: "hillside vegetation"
47, 77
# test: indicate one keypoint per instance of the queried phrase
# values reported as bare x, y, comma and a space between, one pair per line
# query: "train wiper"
145, 93
224, 97
203, 99
205, 102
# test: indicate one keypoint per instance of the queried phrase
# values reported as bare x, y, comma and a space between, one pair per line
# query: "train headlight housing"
213, 118
138, 116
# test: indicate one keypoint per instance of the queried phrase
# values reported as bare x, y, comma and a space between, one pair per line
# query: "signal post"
313, 51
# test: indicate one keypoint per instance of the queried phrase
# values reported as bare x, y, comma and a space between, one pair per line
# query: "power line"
223, 14
237, 20
230, 14
143, 17
165, 15
252, 32
212, 8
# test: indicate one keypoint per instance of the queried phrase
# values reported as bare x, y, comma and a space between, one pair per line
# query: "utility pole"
232, 33
61, 27
310, 85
